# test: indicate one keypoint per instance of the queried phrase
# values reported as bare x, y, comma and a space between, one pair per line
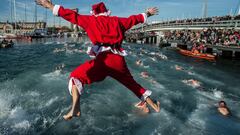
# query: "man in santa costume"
106, 33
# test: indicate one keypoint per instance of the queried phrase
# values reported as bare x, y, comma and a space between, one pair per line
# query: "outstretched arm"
67, 14
152, 11
45, 3
136, 19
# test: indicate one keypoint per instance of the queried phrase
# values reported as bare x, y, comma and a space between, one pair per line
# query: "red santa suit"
106, 33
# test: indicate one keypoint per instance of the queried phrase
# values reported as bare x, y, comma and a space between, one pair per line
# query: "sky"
168, 9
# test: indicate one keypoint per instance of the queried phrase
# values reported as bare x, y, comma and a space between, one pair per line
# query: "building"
20, 28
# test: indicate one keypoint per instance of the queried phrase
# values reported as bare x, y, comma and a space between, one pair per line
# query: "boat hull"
199, 55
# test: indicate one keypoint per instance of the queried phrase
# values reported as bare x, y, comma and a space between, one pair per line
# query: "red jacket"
101, 29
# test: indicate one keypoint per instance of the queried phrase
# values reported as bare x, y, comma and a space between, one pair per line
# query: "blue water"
34, 94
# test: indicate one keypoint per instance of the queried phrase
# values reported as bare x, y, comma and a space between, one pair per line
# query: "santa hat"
100, 9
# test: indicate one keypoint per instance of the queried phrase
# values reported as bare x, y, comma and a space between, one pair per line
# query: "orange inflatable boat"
197, 55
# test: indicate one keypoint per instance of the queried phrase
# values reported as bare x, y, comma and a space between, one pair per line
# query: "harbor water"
34, 92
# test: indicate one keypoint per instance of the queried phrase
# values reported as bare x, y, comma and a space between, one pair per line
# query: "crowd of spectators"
208, 19
211, 36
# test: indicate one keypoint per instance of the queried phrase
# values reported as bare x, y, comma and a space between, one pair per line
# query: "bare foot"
142, 106
71, 114
146, 109
154, 104
67, 116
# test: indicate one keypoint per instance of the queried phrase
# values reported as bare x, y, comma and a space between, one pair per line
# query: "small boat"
6, 45
197, 55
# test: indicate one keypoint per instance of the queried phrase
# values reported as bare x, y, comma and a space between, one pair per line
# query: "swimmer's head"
144, 74
222, 103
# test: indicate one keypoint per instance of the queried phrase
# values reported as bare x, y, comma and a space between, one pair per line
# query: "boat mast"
54, 21
230, 12
237, 10
205, 9
15, 15
35, 16
46, 14
25, 19
11, 11
60, 22
46, 17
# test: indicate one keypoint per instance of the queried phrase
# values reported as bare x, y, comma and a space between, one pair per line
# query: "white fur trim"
123, 53
56, 9
91, 12
145, 17
78, 84
108, 13
91, 52
95, 50
146, 94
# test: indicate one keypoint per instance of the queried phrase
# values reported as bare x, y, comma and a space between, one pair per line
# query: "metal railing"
205, 24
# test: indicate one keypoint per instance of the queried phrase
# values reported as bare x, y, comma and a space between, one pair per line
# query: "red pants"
109, 64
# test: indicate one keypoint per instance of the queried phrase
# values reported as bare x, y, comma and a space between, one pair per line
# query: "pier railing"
189, 25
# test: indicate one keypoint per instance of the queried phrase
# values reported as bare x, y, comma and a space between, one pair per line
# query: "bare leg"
155, 106
75, 110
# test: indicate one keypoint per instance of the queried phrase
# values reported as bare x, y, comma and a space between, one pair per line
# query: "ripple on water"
5, 105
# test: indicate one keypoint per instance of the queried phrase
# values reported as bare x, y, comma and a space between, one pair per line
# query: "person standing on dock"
106, 33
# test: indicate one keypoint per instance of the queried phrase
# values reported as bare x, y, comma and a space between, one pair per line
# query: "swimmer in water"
195, 83
153, 81
60, 68
178, 68
139, 63
191, 73
192, 82
153, 59
223, 109
144, 74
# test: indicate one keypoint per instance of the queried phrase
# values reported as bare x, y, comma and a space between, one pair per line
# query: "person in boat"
11, 42
4, 41
5, 44
201, 47
194, 49
106, 33
223, 108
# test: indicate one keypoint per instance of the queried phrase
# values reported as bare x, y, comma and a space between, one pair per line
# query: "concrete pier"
146, 39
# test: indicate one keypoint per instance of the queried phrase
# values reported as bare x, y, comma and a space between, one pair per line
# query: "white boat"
9, 35
1, 36
6, 44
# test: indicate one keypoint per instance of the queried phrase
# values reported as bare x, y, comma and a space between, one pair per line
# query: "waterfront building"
20, 28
